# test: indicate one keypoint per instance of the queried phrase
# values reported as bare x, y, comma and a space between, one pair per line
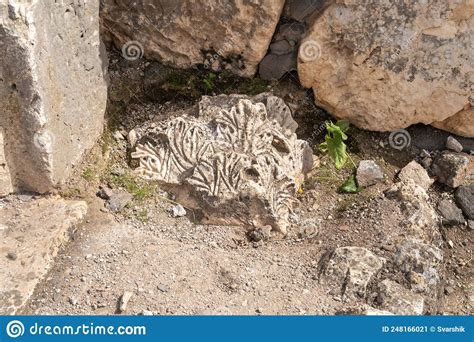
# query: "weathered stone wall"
52, 89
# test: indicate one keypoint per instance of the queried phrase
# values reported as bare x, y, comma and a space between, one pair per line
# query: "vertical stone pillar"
52, 90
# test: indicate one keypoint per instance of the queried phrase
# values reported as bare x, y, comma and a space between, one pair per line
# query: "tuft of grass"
107, 141
142, 215
208, 81
140, 189
177, 80
89, 174
255, 86
72, 193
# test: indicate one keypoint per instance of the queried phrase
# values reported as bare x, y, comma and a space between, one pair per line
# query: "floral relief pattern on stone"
231, 152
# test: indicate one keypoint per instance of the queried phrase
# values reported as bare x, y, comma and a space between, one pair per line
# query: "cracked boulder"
232, 159
388, 65
52, 90
232, 35
349, 270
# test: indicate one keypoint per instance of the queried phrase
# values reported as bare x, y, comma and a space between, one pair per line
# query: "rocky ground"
129, 246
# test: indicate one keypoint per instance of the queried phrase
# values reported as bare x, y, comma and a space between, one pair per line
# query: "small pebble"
12, 256
163, 288
453, 145
177, 211
448, 290
124, 300
470, 225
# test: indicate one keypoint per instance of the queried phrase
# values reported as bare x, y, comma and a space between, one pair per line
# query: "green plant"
137, 187
177, 80
255, 86
334, 143
142, 215
350, 186
89, 174
209, 81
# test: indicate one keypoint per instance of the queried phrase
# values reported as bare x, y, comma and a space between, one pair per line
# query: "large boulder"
388, 65
219, 34
52, 90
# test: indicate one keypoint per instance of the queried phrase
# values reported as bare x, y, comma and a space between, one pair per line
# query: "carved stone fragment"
236, 161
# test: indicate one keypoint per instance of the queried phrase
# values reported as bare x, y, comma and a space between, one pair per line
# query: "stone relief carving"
236, 152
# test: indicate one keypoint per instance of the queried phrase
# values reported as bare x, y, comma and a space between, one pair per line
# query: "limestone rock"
451, 214
414, 256
274, 67
291, 32
453, 145
181, 33
116, 199
460, 124
283, 51
236, 160
177, 211
350, 269
52, 89
470, 225
35, 232
370, 311
6, 185
364, 310
281, 47
386, 66
124, 299
369, 173
417, 173
454, 169
304, 10
465, 198
421, 219
394, 298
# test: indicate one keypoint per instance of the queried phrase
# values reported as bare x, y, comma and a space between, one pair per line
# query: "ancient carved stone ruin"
239, 154
52, 90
